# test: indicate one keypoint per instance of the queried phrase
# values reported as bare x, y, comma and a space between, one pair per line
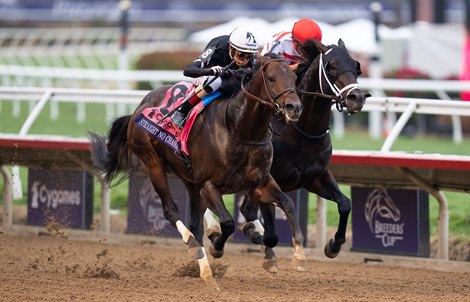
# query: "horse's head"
338, 73
278, 86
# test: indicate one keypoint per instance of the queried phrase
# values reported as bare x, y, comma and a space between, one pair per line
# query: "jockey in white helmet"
240, 46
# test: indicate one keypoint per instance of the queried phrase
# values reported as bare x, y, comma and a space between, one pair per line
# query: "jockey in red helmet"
287, 44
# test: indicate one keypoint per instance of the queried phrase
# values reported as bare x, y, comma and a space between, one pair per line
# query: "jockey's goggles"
244, 55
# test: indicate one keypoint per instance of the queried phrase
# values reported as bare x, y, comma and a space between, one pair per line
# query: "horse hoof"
329, 252
212, 283
256, 238
196, 253
249, 230
270, 265
195, 250
299, 265
213, 232
215, 253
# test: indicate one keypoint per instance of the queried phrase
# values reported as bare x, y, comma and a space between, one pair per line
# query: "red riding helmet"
305, 29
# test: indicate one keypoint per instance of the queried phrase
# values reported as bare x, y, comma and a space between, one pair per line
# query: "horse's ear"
341, 43
320, 46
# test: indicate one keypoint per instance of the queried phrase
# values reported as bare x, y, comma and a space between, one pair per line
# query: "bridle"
272, 101
338, 98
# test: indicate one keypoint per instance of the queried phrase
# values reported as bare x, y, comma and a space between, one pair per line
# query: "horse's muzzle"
293, 110
355, 101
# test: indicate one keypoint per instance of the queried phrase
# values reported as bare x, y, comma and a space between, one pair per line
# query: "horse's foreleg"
211, 195
212, 226
252, 228
268, 212
271, 193
196, 224
327, 188
271, 238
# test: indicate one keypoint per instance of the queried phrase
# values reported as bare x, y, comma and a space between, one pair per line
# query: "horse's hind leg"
171, 213
271, 193
327, 188
159, 181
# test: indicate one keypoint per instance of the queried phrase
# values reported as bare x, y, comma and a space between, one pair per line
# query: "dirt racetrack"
97, 268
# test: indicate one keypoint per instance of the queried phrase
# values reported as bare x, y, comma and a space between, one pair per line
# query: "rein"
309, 136
266, 141
272, 101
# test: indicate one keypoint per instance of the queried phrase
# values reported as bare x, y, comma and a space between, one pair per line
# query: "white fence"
84, 46
11, 75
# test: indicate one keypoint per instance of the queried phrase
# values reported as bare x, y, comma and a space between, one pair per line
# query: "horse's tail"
113, 156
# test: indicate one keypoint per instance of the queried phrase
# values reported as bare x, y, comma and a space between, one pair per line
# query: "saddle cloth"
157, 122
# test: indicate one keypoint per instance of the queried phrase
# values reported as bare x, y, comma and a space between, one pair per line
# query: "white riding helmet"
243, 40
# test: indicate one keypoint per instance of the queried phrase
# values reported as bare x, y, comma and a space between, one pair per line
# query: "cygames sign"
63, 196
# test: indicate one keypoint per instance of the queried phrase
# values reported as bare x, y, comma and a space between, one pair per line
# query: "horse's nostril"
289, 107
352, 97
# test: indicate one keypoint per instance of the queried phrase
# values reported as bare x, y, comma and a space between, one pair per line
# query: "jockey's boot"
179, 116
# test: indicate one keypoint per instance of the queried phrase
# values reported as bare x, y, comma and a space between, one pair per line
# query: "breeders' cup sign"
145, 212
390, 221
380, 205
63, 196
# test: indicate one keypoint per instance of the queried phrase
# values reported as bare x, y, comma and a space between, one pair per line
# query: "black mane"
310, 50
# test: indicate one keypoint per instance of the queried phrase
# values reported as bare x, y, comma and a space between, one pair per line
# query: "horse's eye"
270, 78
332, 68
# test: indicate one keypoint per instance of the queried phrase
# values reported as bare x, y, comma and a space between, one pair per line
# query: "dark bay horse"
302, 151
230, 149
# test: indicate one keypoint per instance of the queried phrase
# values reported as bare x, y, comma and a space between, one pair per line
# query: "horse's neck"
247, 119
315, 118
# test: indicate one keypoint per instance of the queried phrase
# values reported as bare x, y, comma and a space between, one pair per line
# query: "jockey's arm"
195, 70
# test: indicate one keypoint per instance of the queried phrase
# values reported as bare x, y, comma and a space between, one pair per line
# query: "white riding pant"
214, 86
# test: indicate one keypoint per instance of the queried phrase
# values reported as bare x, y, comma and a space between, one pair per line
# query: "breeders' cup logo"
250, 39
52, 198
383, 217
151, 205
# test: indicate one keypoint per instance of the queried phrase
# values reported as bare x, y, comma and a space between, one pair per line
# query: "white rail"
383, 104
57, 47
132, 76
20, 75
